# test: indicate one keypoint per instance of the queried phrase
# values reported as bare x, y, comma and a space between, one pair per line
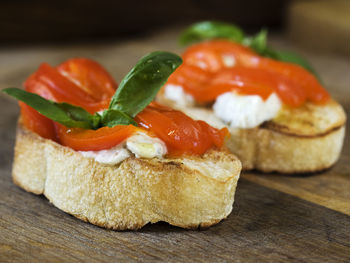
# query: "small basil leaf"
59, 112
112, 118
209, 30
140, 86
257, 42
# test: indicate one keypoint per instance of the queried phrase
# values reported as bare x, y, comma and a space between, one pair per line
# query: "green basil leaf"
140, 86
112, 118
63, 113
257, 42
209, 30
79, 114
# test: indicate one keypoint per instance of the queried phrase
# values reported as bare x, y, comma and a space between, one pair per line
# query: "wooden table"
275, 218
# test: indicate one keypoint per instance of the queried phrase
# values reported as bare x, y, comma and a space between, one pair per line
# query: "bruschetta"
110, 156
280, 116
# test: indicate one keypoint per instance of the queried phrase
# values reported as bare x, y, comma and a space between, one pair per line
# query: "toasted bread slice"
298, 140
189, 192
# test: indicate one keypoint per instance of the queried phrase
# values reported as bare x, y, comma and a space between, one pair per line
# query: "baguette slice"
298, 140
188, 192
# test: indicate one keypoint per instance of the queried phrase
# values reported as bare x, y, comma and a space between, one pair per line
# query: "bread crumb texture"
189, 192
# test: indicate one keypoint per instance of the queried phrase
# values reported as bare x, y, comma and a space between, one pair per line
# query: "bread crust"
189, 192
271, 151
298, 140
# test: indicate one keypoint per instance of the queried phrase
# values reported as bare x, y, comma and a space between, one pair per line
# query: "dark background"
23, 21
317, 25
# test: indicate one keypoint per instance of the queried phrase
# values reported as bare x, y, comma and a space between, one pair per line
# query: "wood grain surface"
276, 218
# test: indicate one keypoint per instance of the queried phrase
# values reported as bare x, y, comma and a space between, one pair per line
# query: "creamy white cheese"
239, 111
176, 94
111, 156
246, 111
145, 146
140, 144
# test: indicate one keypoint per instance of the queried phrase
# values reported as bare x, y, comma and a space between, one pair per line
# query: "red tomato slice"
255, 81
37, 123
244, 81
205, 87
181, 134
61, 87
192, 79
94, 140
310, 85
32, 119
203, 57
32, 84
210, 55
51, 84
293, 83
90, 77
188, 74
217, 136
48, 82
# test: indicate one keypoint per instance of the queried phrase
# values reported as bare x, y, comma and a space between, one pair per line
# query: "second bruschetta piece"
279, 115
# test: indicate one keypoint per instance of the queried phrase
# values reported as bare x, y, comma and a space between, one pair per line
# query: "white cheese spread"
239, 111
140, 144
111, 156
176, 94
145, 146
246, 111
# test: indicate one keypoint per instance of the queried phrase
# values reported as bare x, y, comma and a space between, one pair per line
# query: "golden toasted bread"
190, 192
298, 140
309, 120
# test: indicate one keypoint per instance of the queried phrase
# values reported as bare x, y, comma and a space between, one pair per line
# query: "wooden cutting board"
275, 218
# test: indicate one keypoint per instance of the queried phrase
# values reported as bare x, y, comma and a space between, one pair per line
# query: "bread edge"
274, 151
32, 171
